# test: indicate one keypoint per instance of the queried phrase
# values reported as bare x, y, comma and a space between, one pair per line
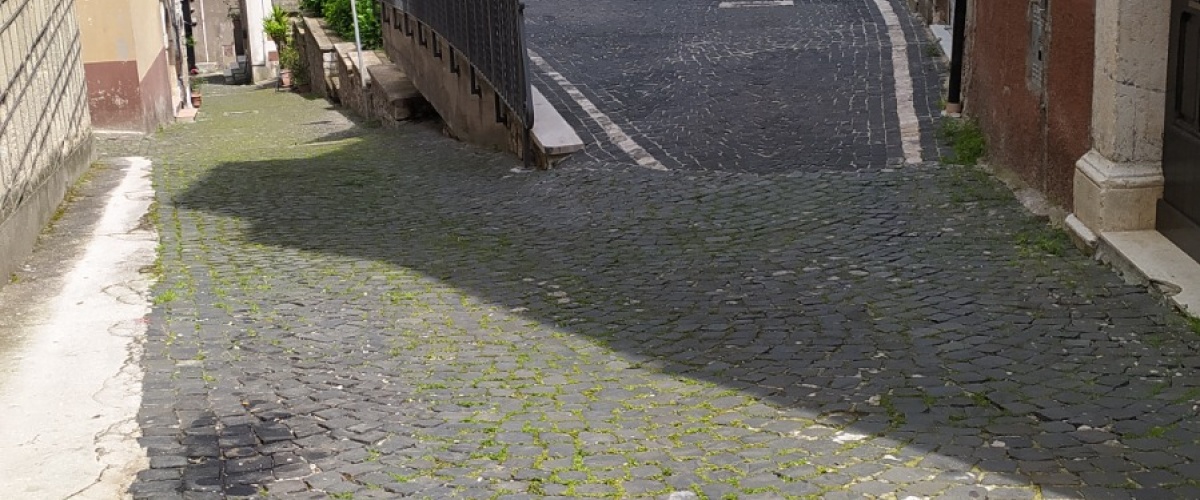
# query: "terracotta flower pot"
285, 78
196, 99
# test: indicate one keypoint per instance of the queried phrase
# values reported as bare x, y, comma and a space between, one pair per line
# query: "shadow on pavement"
922, 308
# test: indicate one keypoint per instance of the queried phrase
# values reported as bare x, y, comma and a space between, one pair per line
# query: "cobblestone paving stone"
763, 89
349, 312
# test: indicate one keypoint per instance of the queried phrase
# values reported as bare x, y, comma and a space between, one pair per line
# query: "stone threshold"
1148, 258
945, 37
551, 132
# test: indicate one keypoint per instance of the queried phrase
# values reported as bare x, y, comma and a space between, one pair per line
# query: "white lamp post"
362, 72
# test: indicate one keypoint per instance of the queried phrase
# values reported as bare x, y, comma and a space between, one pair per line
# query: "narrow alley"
796, 299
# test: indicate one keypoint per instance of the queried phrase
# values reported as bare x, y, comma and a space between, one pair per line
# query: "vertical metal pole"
954, 97
527, 120
204, 32
362, 72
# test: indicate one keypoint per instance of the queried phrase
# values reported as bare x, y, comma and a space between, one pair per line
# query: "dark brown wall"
1038, 130
118, 101
114, 95
1069, 89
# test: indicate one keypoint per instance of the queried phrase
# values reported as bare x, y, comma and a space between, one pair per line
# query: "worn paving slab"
349, 312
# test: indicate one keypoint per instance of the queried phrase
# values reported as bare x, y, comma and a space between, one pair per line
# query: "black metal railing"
488, 33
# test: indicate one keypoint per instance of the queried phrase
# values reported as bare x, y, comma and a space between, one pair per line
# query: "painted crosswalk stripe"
611, 129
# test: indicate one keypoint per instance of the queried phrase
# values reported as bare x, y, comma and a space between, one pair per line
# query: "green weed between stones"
966, 139
970, 184
166, 297
1194, 324
1192, 394
73, 192
1042, 242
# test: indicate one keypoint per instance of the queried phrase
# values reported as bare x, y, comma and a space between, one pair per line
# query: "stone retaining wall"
317, 52
333, 69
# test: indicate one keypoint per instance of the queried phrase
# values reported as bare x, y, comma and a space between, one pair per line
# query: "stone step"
393, 95
551, 132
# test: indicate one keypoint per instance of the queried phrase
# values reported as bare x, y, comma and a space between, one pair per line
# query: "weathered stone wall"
333, 69
352, 91
393, 97
45, 127
316, 50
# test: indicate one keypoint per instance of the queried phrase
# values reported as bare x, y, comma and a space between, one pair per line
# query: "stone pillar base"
1112, 196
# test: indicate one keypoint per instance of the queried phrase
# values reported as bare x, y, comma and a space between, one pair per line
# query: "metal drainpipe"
954, 97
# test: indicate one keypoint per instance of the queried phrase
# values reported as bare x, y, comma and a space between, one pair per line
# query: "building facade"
214, 34
131, 61
1097, 103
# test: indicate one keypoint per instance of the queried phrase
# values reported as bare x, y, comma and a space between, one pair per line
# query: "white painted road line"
614, 132
756, 3
910, 127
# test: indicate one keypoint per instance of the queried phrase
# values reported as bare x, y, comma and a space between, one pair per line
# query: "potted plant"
289, 65
276, 26
195, 84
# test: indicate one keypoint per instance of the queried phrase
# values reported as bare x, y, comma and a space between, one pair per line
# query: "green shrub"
339, 17
277, 26
289, 58
313, 7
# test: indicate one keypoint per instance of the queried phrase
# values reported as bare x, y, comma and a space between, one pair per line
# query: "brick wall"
45, 128
1029, 83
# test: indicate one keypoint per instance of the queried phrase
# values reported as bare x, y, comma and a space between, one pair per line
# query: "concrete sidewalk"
350, 312
70, 344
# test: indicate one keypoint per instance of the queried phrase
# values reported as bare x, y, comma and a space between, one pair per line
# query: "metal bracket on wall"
437, 47
1039, 29
454, 67
501, 111
475, 90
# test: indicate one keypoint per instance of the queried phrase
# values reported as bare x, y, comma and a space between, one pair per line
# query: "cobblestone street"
758, 89
788, 311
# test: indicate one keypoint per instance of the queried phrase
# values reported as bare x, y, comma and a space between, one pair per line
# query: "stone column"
257, 49
1119, 181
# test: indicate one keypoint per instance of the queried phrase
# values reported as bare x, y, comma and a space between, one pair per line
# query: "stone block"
1116, 197
394, 98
